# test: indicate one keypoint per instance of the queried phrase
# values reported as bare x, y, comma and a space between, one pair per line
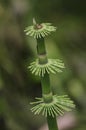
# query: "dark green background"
18, 87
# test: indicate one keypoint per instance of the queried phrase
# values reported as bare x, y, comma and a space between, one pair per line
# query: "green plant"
49, 105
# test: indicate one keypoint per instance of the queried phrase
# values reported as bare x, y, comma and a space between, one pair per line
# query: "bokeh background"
18, 87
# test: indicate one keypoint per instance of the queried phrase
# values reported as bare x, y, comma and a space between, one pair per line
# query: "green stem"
41, 51
52, 124
46, 88
45, 81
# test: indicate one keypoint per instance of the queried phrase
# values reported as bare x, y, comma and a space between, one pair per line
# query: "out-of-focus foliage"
17, 86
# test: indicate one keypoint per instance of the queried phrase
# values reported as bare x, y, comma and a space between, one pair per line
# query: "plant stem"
45, 82
52, 124
41, 51
46, 89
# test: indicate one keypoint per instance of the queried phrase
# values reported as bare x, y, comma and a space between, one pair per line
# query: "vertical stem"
46, 88
41, 51
52, 124
45, 81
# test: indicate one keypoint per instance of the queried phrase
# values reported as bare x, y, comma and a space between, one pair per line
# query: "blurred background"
18, 87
